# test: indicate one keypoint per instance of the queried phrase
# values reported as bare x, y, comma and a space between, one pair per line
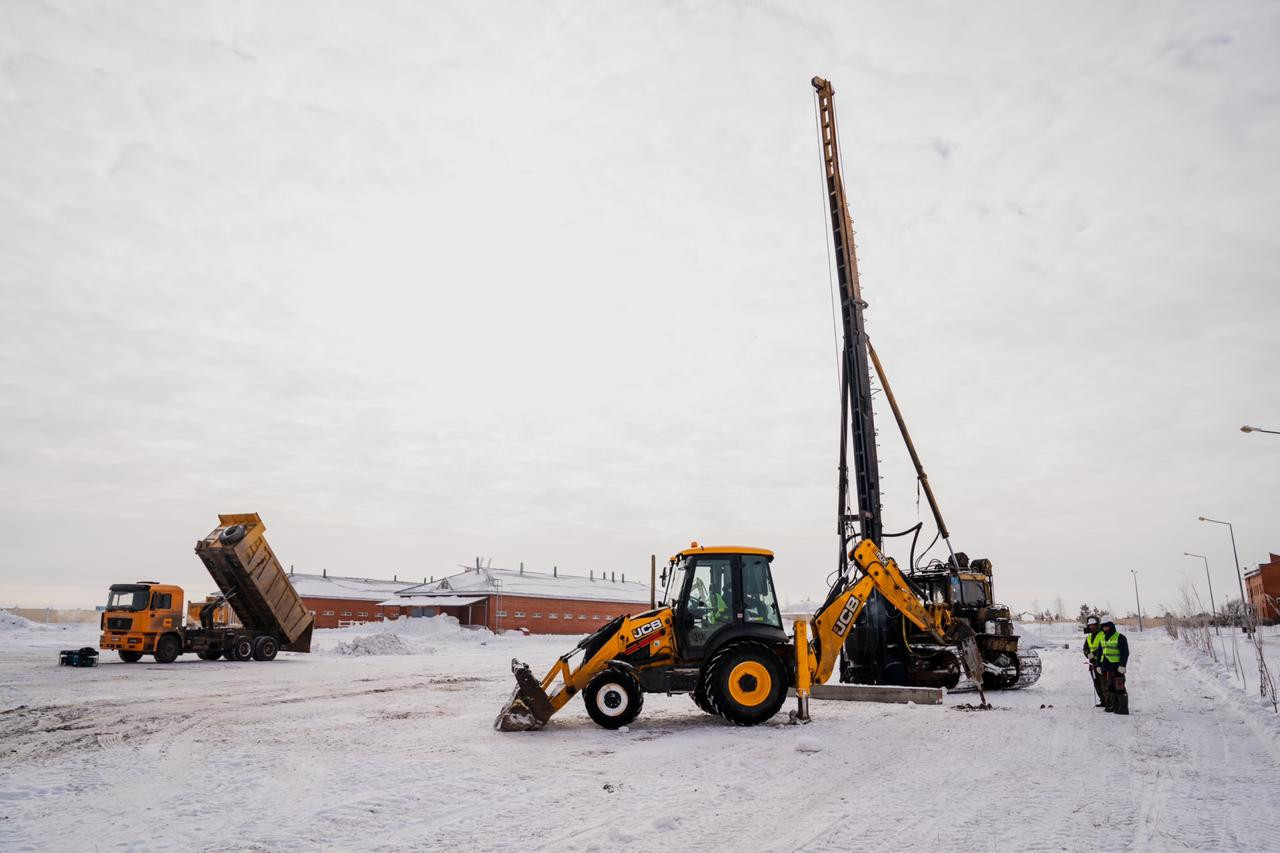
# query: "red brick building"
541, 603
1262, 585
340, 601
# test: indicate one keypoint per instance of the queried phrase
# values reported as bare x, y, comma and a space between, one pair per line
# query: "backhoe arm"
831, 624
881, 574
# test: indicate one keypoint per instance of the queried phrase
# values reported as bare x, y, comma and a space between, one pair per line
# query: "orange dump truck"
146, 618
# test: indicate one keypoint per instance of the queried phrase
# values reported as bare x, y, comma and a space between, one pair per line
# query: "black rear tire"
167, 649
209, 654
265, 648
700, 697
746, 683
231, 535
130, 657
613, 699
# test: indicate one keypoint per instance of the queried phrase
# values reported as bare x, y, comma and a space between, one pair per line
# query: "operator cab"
718, 592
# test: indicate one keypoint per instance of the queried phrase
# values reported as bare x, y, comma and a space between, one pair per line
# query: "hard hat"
1092, 620
1108, 622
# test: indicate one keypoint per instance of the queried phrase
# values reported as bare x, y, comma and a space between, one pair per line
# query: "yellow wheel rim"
749, 683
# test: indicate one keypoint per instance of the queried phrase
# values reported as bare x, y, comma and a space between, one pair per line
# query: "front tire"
167, 649
613, 699
746, 684
130, 657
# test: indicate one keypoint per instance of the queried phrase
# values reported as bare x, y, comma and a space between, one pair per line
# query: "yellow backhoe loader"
719, 636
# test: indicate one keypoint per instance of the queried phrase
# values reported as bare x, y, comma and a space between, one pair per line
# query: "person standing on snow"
1093, 654
1115, 657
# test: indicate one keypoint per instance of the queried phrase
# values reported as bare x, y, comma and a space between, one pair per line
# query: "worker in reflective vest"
1115, 658
1093, 654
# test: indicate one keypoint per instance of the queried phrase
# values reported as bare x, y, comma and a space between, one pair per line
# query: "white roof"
431, 600
536, 585
360, 589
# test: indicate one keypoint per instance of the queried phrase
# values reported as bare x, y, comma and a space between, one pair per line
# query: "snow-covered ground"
396, 751
1232, 664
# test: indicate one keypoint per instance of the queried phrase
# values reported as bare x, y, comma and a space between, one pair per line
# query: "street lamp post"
1259, 429
1244, 603
1212, 603
1134, 572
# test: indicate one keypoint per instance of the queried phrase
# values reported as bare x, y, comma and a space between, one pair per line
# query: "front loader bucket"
529, 707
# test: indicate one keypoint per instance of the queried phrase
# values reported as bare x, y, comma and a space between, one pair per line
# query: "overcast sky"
549, 283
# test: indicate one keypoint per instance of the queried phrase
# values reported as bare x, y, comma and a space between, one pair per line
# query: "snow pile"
13, 622
373, 644
442, 627
404, 636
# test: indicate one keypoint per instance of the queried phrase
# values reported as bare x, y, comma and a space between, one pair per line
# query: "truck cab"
137, 615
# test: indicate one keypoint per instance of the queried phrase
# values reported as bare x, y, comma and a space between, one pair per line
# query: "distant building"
340, 601
510, 599
1262, 585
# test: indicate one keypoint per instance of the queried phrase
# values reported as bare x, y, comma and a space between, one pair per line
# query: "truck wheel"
613, 699
241, 648
265, 648
209, 654
167, 649
746, 684
229, 652
130, 657
231, 535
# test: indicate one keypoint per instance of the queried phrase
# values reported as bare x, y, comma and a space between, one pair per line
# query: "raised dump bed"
254, 583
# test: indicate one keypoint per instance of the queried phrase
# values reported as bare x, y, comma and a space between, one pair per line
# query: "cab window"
710, 596
162, 601
132, 599
676, 575
972, 592
759, 604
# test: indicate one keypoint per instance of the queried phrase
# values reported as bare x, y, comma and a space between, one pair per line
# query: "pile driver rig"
884, 646
718, 633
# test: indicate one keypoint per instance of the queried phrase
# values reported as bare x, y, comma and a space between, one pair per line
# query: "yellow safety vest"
1111, 647
1093, 641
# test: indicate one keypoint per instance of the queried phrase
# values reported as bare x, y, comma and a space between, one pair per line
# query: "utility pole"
1134, 572
1246, 610
1217, 630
